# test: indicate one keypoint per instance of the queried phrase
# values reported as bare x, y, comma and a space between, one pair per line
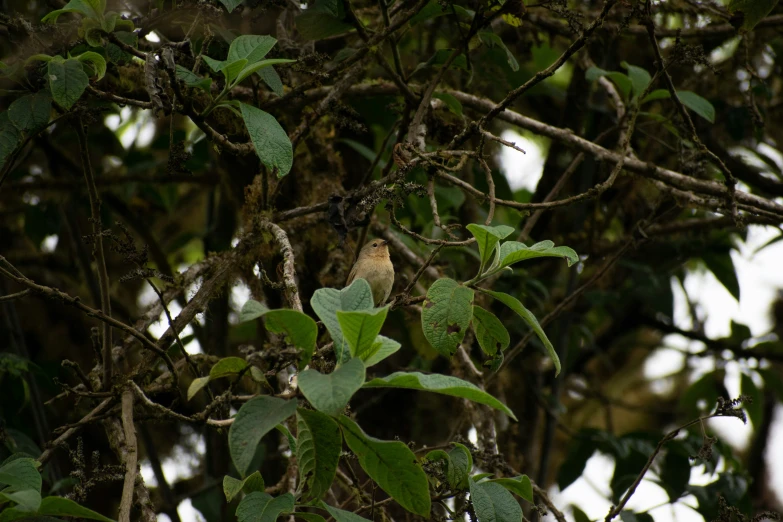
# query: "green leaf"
9, 137
231, 4
622, 81
291, 440
675, 471
434, 9
299, 329
27, 500
487, 238
67, 81
530, 319
231, 70
252, 310
21, 474
380, 350
270, 140
262, 507
59, 506
490, 39
754, 407
438, 383
697, 104
392, 465
493, 503
319, 25
118, 55
340, 515
318, 451
722, 266
232, 486
250, 47
96, 60
361, 328
491, 335
31, 112
446, 315
640, 78
747, 13
193, 80
513, 252
520, 485
451, 102
460, 464
255, 418
89, 8
225, 367
272, 80
259, 66
327, 301
331, 393
657, 94
196, 385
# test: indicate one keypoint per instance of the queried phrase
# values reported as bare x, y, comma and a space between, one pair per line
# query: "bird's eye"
375, 245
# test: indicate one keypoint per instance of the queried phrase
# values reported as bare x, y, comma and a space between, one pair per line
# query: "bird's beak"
384, 242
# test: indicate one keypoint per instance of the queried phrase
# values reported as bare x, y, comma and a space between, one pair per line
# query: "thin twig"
132, 455
98, 253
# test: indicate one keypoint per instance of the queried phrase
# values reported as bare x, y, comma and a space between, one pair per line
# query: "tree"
160, 159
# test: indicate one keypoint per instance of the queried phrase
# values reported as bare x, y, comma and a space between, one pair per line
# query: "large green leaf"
640, 78
446, 315
697, 104
438, 383
9, 137
55, 507
97, 62
31, 112
272, 80
232, 486
258, 67
255, 418
331, 393
20, 474
520, 485
747, 13
493, 503
722, 266
380, 350
317, 451
67, 81
530, 319
487, 238
491, 335
340, 515
89, 8
28, 500
193, 80
460, 465
262, 507
513, 252
327, 301
622, 81
392, 465
299, 328
270, 140
360, 329
250, 47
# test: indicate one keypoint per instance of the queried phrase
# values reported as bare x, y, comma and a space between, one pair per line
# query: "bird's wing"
352, 274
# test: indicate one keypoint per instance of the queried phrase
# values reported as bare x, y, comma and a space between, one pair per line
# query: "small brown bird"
374, 266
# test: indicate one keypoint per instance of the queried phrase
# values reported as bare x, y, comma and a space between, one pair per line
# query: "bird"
374, 266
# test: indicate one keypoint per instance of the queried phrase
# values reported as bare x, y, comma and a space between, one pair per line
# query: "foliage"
184, 187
